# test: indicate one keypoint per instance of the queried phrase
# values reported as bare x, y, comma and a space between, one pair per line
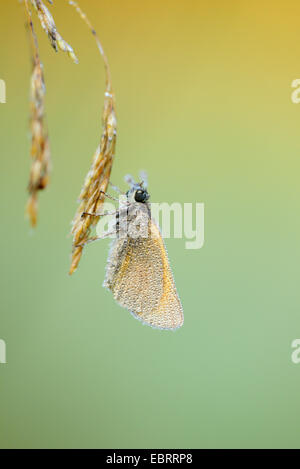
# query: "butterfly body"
138, 272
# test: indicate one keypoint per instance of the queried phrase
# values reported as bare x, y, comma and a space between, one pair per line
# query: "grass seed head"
49, 26
40, 148
91, 197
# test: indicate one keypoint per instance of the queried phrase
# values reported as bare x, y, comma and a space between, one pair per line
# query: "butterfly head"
138, 191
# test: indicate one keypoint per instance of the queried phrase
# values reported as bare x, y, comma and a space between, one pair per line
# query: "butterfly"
138, 272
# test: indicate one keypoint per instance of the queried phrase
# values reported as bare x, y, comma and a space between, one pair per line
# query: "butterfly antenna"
130, 180
144, 179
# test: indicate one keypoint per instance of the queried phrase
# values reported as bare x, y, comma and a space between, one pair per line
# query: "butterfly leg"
116, 189
100, 214
95, 238
109, 196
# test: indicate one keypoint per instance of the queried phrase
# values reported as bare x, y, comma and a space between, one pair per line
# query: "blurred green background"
204, 104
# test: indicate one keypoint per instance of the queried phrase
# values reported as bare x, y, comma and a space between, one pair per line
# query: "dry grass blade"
91, 197
49, 26
40, 149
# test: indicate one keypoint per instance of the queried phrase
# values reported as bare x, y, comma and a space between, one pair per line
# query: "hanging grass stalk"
40, 149
96, 182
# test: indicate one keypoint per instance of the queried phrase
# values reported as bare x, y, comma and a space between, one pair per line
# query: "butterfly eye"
141, 196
